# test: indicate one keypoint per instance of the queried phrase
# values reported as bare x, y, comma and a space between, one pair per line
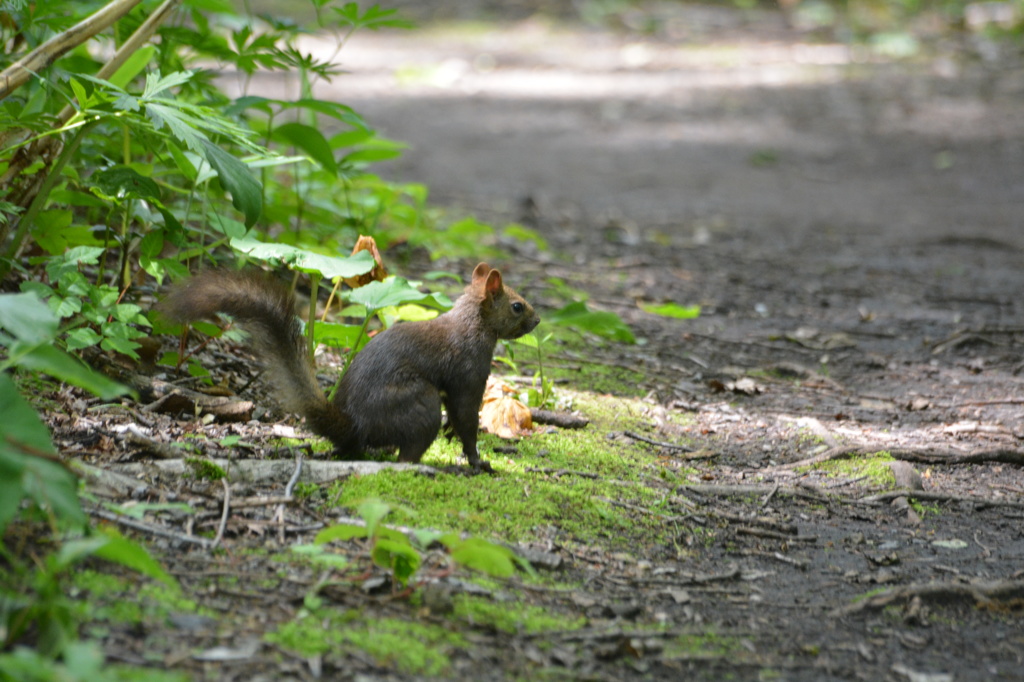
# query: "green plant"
542, 392
32, 594
394, 551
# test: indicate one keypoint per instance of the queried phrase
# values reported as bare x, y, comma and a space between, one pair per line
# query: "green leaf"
307, 261
130, 554
26, 318
60, 365
133, 66
397, 555
318, 555
525, 234
23, 471
310, 140
83, 337
674, 310
604, 324
341, 531
528, 340
391, 292
373, 511
363, 156
337, 335
121, 182
482, 555
414, 313
246, 192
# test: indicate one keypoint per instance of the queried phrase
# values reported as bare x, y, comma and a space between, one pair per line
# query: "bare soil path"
851, 228
853, 231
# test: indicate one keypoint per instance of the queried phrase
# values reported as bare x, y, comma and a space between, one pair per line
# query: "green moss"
118, 599
875, 467
704, 644
410, 648
512, 617
204, 469
515, 503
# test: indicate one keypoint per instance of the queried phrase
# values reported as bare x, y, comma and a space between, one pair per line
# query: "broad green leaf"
336, 335
133, 66
681, 312
340, 531
525, 234
414, 313
607, 325
121, 182
310, 140
350, 138
481, 555
76, 198
307, 261
24, 445
361, 156
392, 291
246, 192
26, 318
74, 551
83, 337
373, 511
58, 364
130, 554
397, 555
320, 556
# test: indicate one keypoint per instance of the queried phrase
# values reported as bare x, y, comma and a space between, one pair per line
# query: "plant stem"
41, 197
311, 324
355, 349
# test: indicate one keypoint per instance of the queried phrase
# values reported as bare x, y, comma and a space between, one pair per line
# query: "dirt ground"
851, 227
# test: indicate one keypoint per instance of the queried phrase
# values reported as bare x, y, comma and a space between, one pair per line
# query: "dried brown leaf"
378, 273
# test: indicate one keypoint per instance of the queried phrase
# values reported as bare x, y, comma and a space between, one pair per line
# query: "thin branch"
18, 73
660, 444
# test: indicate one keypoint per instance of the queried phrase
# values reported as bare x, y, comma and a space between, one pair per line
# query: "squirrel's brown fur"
393, 391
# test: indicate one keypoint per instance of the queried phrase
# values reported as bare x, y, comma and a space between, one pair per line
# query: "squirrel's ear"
480, 272
493, 285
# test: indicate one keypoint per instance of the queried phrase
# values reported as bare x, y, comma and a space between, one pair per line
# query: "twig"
660, 444
981, 592
224, 514
147, 528
288, 493
562, 472
773, 535
981, 502
719, 489
778, 556
644, 510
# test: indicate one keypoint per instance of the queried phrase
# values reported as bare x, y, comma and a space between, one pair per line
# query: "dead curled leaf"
503, 415
378, 273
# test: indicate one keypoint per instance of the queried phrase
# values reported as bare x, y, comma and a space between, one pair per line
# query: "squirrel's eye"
517, 308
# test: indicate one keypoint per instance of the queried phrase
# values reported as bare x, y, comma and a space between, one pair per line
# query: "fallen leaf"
378, 273
503, 415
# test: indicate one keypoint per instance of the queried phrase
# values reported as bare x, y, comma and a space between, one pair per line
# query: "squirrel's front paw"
483, 466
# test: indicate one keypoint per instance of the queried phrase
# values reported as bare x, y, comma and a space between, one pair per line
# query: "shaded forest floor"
852, 231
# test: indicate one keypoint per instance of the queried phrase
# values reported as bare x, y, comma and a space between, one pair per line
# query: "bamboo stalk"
15, 75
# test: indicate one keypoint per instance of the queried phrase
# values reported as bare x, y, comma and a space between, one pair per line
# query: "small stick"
661, 444
224, 514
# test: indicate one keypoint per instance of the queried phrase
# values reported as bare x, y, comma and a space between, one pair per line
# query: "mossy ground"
875, 467
519, 500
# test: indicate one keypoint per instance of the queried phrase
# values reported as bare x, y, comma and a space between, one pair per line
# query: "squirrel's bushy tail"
265, 308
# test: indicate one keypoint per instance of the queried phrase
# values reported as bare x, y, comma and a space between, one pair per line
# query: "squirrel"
393, 390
